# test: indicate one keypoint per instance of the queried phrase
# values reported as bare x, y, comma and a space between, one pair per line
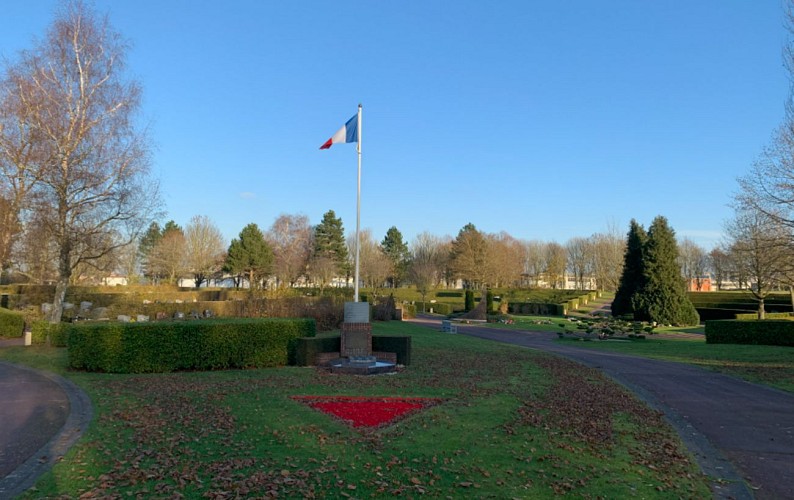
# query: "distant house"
700, 284
114, 280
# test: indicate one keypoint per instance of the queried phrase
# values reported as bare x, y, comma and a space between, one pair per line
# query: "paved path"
41, 416
734, 428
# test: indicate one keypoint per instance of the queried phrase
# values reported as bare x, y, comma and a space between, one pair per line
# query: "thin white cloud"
247, 195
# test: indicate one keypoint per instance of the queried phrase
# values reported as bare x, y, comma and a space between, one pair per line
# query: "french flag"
348, 133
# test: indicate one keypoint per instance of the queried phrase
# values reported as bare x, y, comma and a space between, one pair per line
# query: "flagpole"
358, 197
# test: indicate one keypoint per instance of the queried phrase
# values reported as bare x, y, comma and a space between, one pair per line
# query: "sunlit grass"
239, 432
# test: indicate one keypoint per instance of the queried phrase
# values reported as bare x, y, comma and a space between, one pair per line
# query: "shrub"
385, 309
409, 310
536, 309
12, 323
489, 301
307, 349
57, 333
327, 312
189, 345
438, 307
707, 313
758, 332
468, 303
752, 316
398, 344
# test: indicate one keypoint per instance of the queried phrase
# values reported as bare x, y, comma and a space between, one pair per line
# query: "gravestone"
100, 313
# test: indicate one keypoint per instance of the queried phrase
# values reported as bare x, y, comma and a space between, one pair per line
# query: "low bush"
400, 344
409, 310
437, 307
57, 333
189, 345
781, 315
758, 332
327, 312
307, 348
468, 302
536, 309
12, 323
708, 313
384, 309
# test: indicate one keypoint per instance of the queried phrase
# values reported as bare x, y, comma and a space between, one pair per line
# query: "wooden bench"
448, 327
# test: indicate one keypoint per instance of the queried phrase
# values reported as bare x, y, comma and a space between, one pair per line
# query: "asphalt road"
41, 416
739, 432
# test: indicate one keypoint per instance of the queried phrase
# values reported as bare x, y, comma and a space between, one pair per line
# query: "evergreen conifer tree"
397, 251
329, 241
631, 278
250, 255
662, 296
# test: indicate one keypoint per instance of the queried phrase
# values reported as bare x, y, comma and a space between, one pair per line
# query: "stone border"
81, 413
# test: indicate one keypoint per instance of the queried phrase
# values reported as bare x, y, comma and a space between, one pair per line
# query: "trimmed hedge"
409, 310
58, 333
750, 316
438, 307
536, 309
190, 345
708, 313
400, 344
12, 323
758, 332
307, 349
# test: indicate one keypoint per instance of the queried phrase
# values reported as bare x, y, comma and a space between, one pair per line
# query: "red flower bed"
367, 411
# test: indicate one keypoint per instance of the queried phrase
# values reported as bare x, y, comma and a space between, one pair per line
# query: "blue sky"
546, 119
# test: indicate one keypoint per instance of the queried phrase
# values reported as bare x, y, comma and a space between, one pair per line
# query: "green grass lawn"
514, 423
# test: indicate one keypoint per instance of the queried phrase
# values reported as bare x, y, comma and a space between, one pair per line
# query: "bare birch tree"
205, 249
534, 261
167, 259
90, 164
290, 236
426, 265
761, 249
608, 250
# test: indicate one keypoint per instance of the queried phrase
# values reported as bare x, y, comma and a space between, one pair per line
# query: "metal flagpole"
358, 197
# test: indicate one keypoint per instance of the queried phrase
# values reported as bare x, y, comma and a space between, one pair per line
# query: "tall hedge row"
438, 307
536, 309
12, 323
758, 332
190, 345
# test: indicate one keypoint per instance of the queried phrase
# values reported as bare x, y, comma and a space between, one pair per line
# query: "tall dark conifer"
662, 297
632, 277
397, 252
329, 241
250, 255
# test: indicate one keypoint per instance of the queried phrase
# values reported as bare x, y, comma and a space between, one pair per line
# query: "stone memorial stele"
356, 356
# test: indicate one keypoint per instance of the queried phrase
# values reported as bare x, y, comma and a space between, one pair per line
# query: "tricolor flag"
348, 133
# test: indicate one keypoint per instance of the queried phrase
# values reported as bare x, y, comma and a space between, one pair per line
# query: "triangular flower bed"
361, 411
